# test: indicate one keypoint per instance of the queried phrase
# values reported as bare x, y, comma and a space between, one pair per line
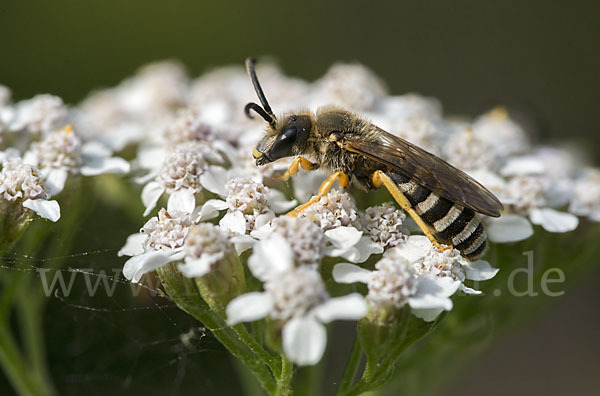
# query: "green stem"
351, 368
378, 373
31, 314
24, 380
232, 342
185, 294
272, 361
314, 380
284, 381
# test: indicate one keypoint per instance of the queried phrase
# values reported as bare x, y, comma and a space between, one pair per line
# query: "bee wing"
425, 168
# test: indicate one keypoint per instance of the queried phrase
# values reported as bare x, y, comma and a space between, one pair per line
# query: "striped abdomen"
451, 223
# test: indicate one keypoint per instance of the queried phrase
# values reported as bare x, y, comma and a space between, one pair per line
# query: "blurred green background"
540, 58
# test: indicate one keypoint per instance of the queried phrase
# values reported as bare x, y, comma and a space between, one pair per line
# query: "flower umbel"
159, 242
167, 230
21, 187
225, 252
336, 209
205, 245
384, 224
305, 238
296, 298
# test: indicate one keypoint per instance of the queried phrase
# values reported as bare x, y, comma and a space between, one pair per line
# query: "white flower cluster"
586, 195
385, 224
205, 245
167, 231
180, 177
38, 115
196, 149
306, 239
294, 295
39, 148
187, 126
20, 182
192, 143
417, 274
336, 209
62, 152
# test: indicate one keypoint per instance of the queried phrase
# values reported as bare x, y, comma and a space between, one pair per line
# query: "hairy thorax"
331, 157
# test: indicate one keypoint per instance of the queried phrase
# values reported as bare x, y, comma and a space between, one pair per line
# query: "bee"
442, 200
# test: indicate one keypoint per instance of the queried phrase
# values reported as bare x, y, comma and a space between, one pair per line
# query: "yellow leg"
378, 178
293, 169
339, 176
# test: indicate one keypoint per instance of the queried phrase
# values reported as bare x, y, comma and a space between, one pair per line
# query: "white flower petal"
214, 179
430, 285
249, 307
263, 219
182, 200
55, 180
139, 265
489, 180
480, 270
100, 165
428, 314
279, 203
304, 341
144, 178
350, 273
215, 113
210, 209
12, 152
242, 243
468, 290
151, 157
200, 266
150, 195
270, 257
97, 160
524, 165
119, 136
95, 149
432, 296
447, 285
221, 147
415, 248
47, 209
360, 252
307, 183
553, 220
350, 307
134, 245
233, 222
342, 239
508, 228
262, 231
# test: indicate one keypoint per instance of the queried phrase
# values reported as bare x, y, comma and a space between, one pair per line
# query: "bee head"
283, 138
290, 137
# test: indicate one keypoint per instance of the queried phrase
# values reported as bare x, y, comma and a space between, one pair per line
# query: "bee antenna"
259, 92
261, 112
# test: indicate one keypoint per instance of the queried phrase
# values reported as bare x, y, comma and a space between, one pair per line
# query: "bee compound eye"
283, 143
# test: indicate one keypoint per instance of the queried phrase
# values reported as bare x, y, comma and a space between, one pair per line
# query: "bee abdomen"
451, 223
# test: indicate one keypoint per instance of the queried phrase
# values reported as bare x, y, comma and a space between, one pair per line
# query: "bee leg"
293, 169
379, 178
338, 176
